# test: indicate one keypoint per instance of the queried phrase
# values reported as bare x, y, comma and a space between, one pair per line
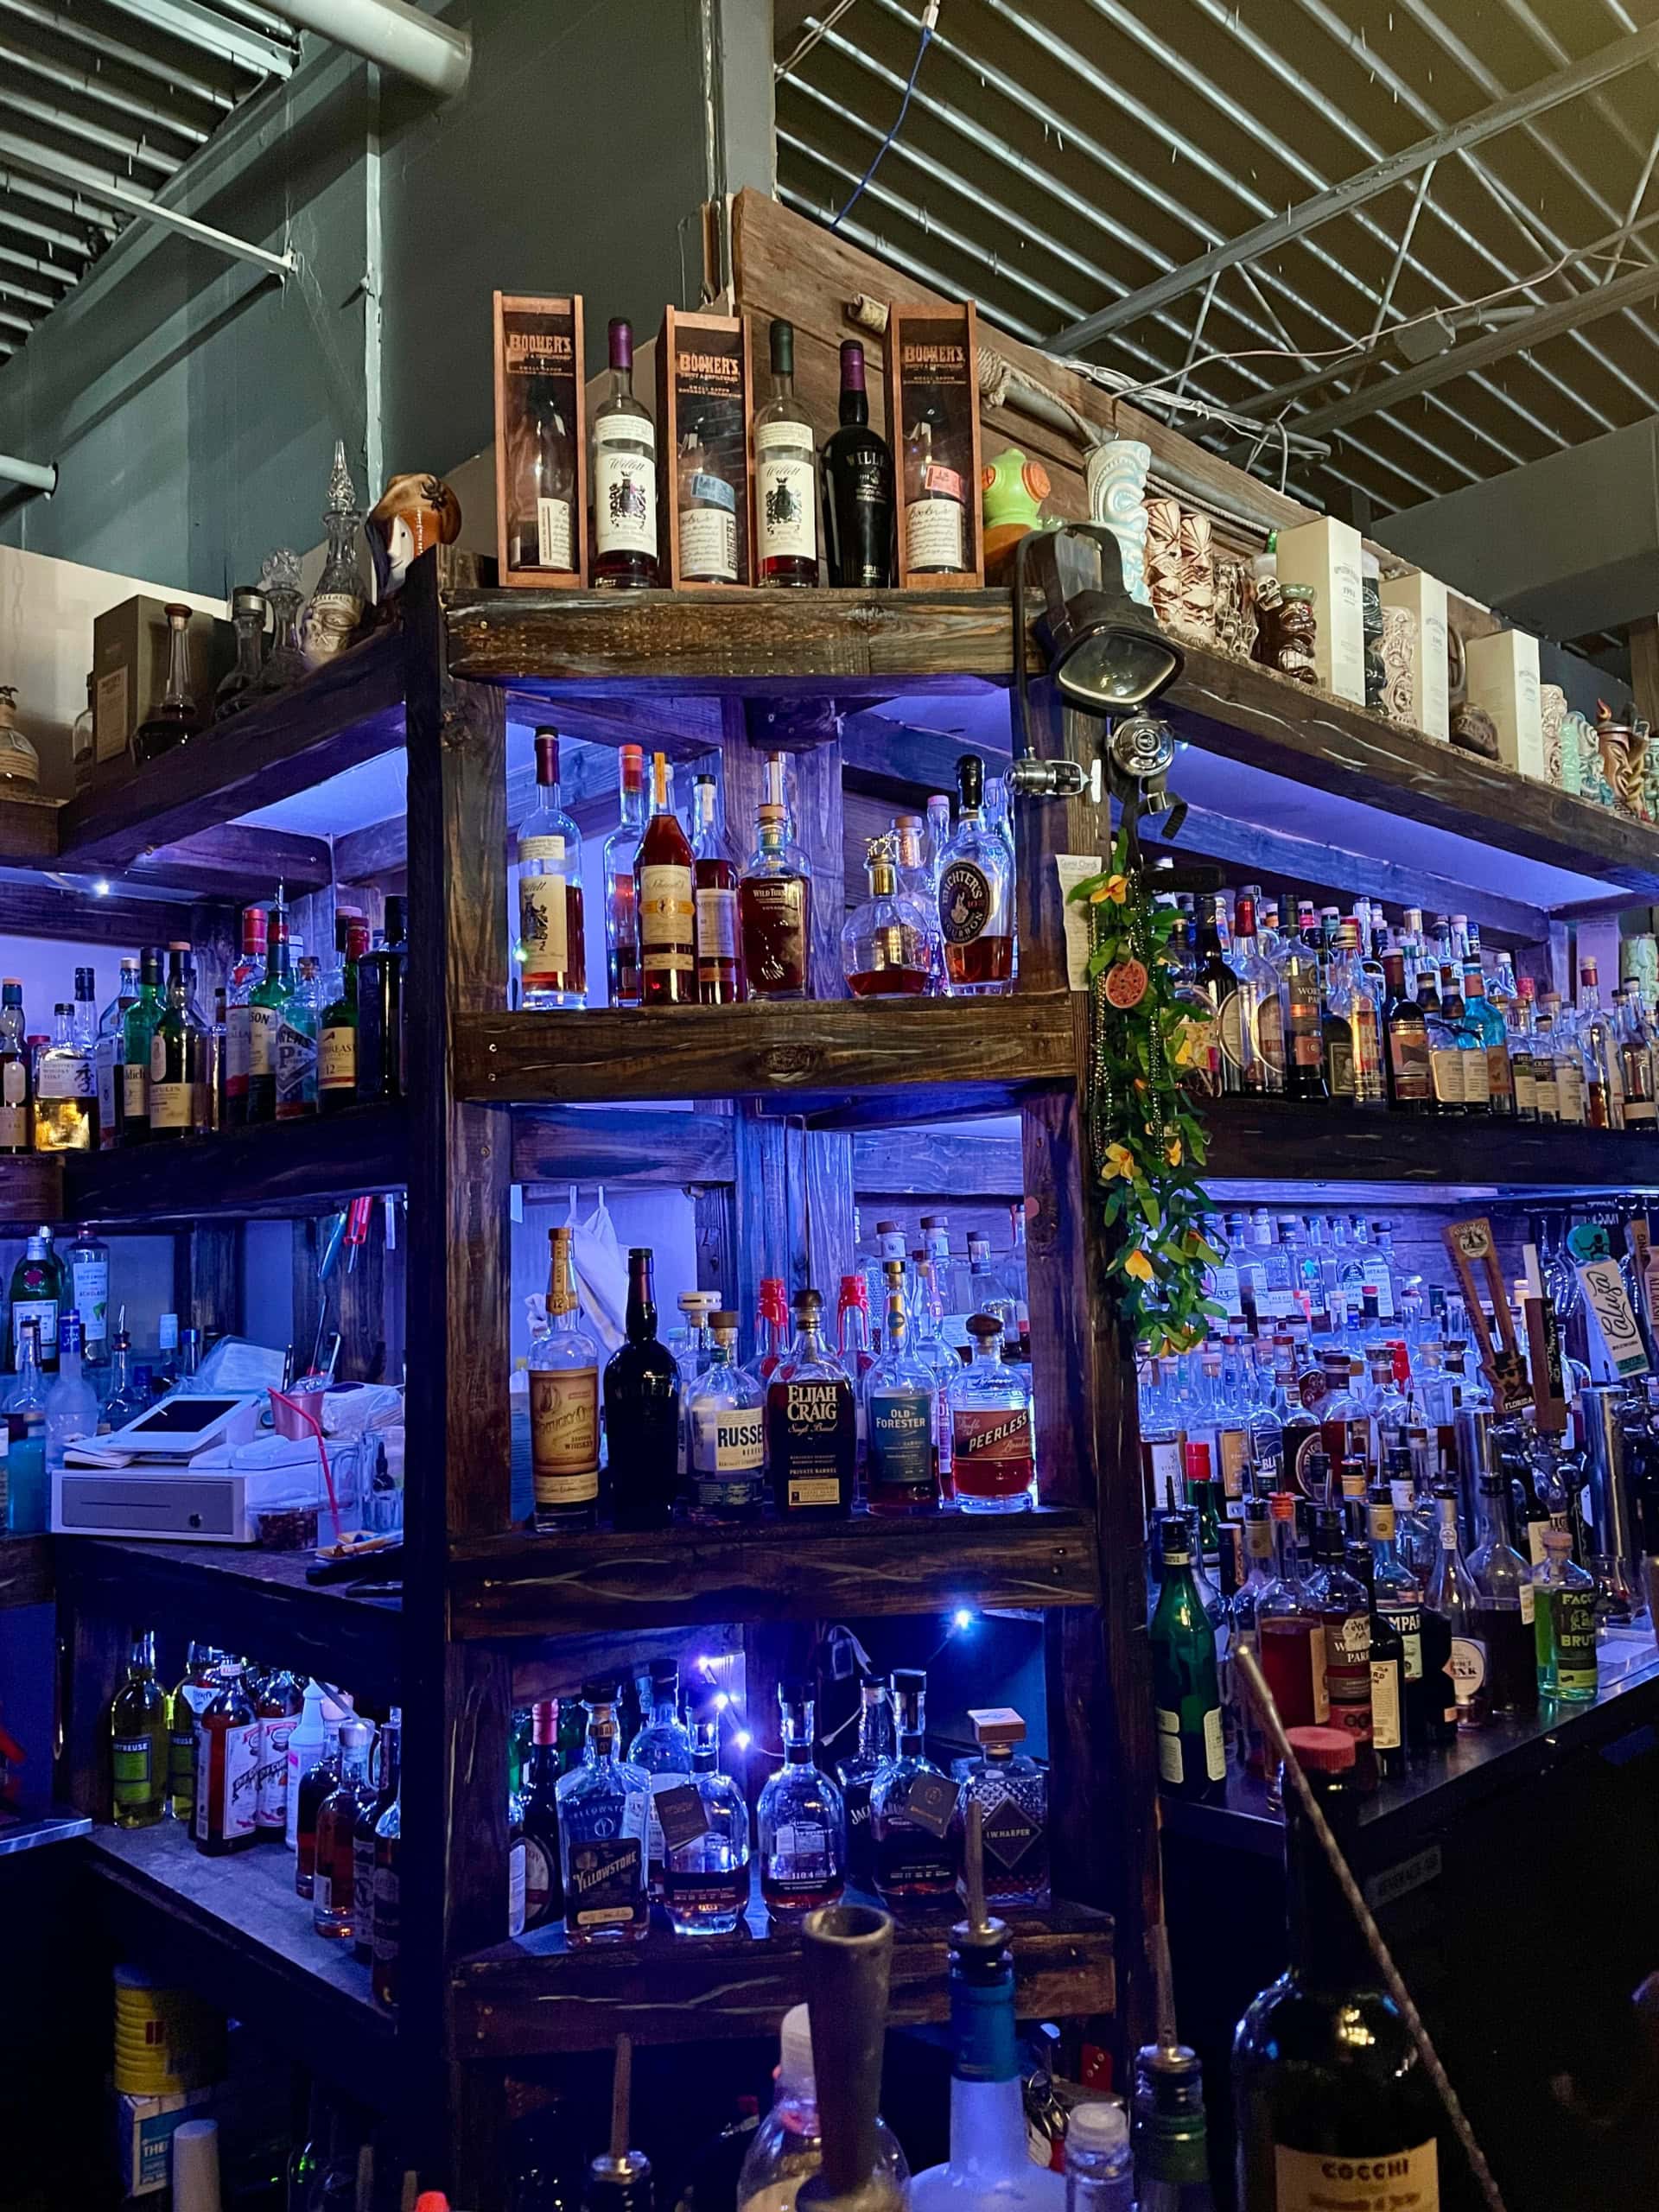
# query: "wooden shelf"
277, 1168
814, 1053
29, 828
245, 1600
235, 1930
351, 709
537, 1996
25, 1571
1274, 1141
525, 1585
31, 1189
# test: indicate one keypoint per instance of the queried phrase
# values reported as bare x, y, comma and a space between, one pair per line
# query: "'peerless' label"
1392, 2181
992, 1451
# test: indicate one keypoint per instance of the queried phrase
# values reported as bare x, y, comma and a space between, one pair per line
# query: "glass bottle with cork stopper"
786, 466
774, 909
176, 719
552, 943
667, 893
886, 946
913, 1806
976, 895
249, 612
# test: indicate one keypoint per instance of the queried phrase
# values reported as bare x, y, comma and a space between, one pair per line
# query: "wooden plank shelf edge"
1277, 1140
31, 1188
275, 1169
536, 1997
528, 1585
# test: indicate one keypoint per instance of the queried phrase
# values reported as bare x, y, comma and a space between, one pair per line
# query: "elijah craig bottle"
1333, 2101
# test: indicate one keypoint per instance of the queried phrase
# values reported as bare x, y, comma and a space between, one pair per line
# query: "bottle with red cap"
1330, 2090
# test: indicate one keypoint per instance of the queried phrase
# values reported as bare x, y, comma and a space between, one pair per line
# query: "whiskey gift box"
1326, 555
1503, 677
705, 468
933, 426
541, 449
1424, 596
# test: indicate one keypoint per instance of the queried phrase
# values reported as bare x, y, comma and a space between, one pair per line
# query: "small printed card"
930, 1801
681, 1813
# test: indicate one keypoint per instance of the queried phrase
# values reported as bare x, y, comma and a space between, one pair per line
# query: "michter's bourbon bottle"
228, 1737
976, 895
858, 501
811, 1421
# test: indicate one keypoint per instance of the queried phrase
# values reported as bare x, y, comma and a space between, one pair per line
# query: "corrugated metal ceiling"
118, 90
1059, 154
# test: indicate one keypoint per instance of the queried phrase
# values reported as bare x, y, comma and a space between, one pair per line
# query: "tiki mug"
1116, 478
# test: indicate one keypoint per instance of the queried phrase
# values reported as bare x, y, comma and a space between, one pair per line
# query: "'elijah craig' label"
964, 902
1390, 2181
992, 1451
814, 1435
606, 1884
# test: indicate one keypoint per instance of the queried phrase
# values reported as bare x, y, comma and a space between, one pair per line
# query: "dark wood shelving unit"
275, 1169
1277, 1140
539, 1995
531, 1585
31, 1189
26, 1571
29, 828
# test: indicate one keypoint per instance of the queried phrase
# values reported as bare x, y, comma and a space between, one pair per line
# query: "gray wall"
193, 404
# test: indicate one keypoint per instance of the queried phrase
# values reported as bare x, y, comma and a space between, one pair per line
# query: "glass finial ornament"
334, 610
19, 762
279, 579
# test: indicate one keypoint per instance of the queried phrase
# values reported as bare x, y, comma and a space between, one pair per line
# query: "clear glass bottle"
706, 503
1353, 1030
1503, 1592
1452, 1595
1487, 1021
801, 1819
725, 1418
107, 1057
16, 1075
624, 472
65, 1087
667, 902
1253, 1018
620, 858
901, 1394
811, 1421
564, 1369
706, 1842
936, 492
662, 1752
858, 1775
788, 2145
720, 969
1564, 1619
1521, 1018
774, 904
1569, 1064
333, 1883
1012, 1793
279, 579
27, 1503
82, 737
334, 613
1598, 1054
786, 470
914, 1826
388, 1903
991, 1450
176, 719
250, 612
138, 1739
541, 478
975, 896
552, 942
887, 945
604, 1806
72, 1403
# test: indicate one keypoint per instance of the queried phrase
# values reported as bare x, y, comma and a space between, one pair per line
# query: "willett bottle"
858, 497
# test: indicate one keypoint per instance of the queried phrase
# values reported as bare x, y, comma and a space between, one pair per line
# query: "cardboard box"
143, 2138
933, 379
1424, 596
1503, 677
538, 367
129, 669
705, 384
1325, 556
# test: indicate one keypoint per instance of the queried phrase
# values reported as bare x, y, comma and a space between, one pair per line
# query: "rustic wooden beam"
275, 1169
643, 1149
924, 1162
28, 828
237, 862
47, 910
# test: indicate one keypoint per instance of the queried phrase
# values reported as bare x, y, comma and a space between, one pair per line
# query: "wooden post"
208, 1277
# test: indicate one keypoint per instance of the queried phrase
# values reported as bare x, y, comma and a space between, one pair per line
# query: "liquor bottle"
1637, 1075
705, 1826
36, 1295
620, 858
541, 479
642, 1410
1217, 985
278, 1699
720, 975
266, 1002
177, 1047
976, 895
138, 1739
543, 1882
624, 467
901, 1419
1504, 1594
1598, 1053
386, 1775
176, 719
1099, 2165
551, 940
603, 1808
725, 1420
854, 1350
858, 1775
296, 1043
237, 688
1304, 1042
88, 1266
66, 1090
314, 1782
387, 1916
1288, 1634
564, 1369
1187, 1691
71, 1402
787, 2148
935, 515
774, 904
238, 1015
707, 502
1342, 1606
1011, 1792
17, 1086
914, 1832
1353, 1027
1564, 1619
785, 491
1254, 1017
991, 1452
1406, 1048
22, 1460
380, 1011
1388, 1648
1470, 1044
858, 500
801, 1821
811, 1421
227, 1766
1328, 2084
1493, 1032
195, 1688
1170, 2132
1452, 1596
1569, 1066
1445, 1065
886, 946
667, 903
333, 1891
662, 1752
337, 1027
1523, 1072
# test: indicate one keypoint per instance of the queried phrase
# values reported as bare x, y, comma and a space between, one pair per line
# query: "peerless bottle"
551, 935
785, 471
624, 477
976, 895
858, 501
990, 1427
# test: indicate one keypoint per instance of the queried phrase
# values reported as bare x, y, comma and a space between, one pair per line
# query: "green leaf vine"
1147, 1142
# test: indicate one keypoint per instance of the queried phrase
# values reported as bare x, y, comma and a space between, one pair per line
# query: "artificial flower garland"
1147, 1142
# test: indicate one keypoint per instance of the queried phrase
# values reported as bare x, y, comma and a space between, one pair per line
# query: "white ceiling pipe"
391, 33
34, 475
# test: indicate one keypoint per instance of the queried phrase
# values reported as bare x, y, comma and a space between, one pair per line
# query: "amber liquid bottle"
227, 1767
774, 904
667, 905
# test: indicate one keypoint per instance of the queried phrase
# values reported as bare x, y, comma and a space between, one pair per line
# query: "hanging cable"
930, 19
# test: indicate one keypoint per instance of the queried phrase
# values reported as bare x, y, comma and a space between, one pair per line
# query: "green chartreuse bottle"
138, 1739
1185, 1683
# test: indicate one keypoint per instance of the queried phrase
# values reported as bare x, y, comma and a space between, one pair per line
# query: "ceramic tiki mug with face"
414, 512
1116, 478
